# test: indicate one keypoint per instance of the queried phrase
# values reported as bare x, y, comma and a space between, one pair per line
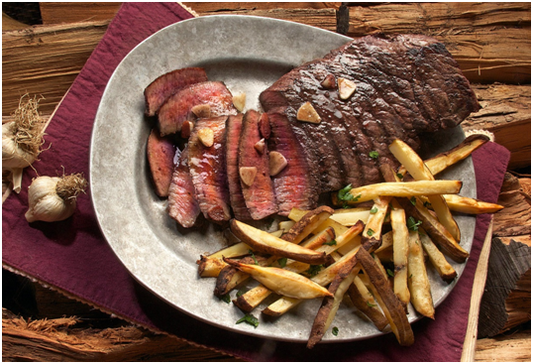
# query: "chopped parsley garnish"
370, 304
282, 262
374, 210
253, 257
390, 272
370, 232
226, 298
373, 154
427, 204
249, 319
314, 269
335, 330
399, 175
412, 224
331, 243
413, 201
345, 196
242, 291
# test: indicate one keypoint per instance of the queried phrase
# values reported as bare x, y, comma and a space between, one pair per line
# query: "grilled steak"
182, 204
233, 135
160, 153
259, 191
168, 84
178, 107
404, 85
207, 166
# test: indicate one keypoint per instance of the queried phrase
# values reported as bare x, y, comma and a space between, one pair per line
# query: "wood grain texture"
505, 348
73, 12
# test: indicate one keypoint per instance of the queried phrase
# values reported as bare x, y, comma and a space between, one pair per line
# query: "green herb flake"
399, 175
412, 224
242, 291
390, 272
314, 269
373, 154
249, 319
370, 232
413, 201
345, 196
253, 257
331, 243
282, 262
226, 298
370, 304
374, 210
427, 204
335, 330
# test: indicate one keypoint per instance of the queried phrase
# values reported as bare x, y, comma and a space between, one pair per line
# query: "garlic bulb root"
54, 198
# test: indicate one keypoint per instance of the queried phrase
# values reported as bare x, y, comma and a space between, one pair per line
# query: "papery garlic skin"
44, 202
12, 155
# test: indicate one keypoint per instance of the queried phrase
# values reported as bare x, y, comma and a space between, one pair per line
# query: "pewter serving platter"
248, 54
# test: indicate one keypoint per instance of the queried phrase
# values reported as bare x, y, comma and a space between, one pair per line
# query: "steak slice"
160, 153
293, 186
178, 107
208, 169
233, 134
168, 84
182, 204
404, 85
258, 193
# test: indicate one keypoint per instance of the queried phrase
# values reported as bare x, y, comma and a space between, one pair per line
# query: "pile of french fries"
330, 254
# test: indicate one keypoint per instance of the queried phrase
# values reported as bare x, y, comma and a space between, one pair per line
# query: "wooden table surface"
46, 45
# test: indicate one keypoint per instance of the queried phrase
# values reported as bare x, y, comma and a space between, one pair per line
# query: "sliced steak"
404, 85
258, 192
207, 166
168, 84
182, 204
178, 107
293, 186
160, 153
233, 134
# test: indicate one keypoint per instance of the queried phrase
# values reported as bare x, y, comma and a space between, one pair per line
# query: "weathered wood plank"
490, 41
505, 348
73, 12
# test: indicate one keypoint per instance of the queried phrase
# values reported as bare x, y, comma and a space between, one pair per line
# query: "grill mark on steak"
405, 85
293, 187
208, 170
182, 204
157, 92
178, 107
233, 134
259, 197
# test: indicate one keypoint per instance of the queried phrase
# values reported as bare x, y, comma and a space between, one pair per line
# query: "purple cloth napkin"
73, 257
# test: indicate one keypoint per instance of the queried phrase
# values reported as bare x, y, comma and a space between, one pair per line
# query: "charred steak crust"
207, 166
405, 85
233, 134
178, 107
182, 204
259, 196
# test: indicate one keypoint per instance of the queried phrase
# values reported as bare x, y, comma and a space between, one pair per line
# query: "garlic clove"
276, 163
346, 88
247, 175
202, 111
307, 112
239, 101
260, 146
206, 136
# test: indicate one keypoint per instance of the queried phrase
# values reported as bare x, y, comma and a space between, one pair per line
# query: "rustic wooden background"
45, 45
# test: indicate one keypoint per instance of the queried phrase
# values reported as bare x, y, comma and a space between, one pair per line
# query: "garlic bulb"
54, 198
21, 140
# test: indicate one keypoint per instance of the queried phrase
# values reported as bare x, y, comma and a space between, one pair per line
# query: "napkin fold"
73, 257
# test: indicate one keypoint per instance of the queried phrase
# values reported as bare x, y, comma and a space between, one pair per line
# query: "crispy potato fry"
309, 222
230, 277
349, 217
418, 279
418, 170
467, 205
437, 259
330, 305
285, 226
266, 243
386, 242
443, 160
296, 215
389, 302
235, 250
404, 189
350, 235
364, 301
252, 298
209, 267
400, 237
282, 281
371, 237
435, 229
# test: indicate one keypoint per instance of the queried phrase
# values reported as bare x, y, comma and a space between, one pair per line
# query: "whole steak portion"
404, 85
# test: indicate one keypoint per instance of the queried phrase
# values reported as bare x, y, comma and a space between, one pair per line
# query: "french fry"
437, 259
467, 205
364, 301
235, 250
230, 277
435, 229
252, 298
371, 237
285, 226
420, 172
400, 238
443, 160
330, 305
418, 279
349, 217
266, 243
282, 281
386, 242
404, 189
389, 302
296, 214
307, 223
209, 267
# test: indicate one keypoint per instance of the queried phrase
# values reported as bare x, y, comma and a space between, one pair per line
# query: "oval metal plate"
248, 54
